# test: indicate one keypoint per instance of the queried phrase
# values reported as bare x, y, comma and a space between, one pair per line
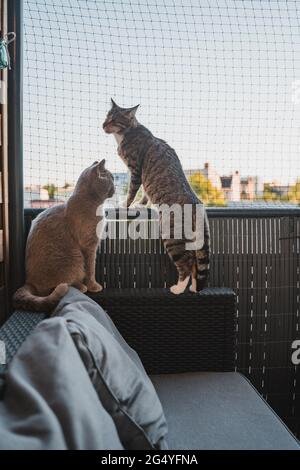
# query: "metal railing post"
15, 146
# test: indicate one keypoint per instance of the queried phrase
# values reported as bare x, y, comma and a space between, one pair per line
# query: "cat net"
218, 80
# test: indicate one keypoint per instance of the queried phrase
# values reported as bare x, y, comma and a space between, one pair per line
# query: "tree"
271, 194
205, 190
51, 189
294, 193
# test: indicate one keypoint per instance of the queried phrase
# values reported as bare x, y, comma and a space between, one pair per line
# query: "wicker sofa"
187, 344
206, 403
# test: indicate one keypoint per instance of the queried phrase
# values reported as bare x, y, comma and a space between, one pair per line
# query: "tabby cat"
156, 166
62, 243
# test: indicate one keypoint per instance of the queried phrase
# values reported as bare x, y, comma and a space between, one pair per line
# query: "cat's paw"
81, 287
193, 289
94, 286
144, 202
180, 287
177, 289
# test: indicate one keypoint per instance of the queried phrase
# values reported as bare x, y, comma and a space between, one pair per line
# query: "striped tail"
202, 259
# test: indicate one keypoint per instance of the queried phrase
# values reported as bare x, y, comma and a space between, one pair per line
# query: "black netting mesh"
219, 80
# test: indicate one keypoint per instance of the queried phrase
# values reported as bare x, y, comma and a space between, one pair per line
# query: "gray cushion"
116, 372
49, 401
219, 411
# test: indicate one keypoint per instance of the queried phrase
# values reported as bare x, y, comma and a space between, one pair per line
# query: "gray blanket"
49, 400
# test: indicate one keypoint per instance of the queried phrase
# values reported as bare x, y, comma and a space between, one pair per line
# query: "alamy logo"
2, 353
179, 222
296, 354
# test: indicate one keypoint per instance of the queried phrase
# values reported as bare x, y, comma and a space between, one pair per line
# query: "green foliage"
271, 194
205, 190
51, 189
294, 193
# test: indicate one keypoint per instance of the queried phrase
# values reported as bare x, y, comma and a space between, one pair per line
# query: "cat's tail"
25, 299
202, 259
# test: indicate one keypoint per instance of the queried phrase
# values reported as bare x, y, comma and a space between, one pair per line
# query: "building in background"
234, 186
252, 188
33, 193
121, 185
211, 174
281, 191
37, 196
231, 186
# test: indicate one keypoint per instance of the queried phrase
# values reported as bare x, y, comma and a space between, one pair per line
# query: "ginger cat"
62, 243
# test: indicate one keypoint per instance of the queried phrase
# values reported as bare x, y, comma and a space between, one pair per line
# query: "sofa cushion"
116, 372
49, 402
219, 411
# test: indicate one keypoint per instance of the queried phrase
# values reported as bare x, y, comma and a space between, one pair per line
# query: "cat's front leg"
134, 186
90, 262
144, 201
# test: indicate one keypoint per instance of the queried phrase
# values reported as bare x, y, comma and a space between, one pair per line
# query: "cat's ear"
131, 112
101, 165
113, 103
101, 170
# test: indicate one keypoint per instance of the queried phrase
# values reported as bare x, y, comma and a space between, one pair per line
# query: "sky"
219, 80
